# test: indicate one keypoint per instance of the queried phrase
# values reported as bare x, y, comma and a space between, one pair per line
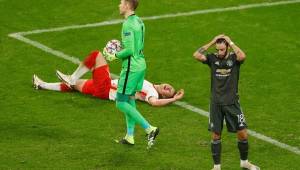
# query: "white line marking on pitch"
75, 60
45, 48
197, 12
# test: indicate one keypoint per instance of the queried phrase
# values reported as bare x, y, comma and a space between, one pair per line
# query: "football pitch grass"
51, 130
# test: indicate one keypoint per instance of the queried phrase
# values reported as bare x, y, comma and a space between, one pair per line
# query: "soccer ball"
113, 46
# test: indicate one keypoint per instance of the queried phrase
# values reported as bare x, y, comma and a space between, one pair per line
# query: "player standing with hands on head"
225, 70
132, 73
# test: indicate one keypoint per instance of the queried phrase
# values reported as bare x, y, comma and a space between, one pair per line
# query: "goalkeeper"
132, 73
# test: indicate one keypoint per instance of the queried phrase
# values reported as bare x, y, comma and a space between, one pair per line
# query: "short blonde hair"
134, 3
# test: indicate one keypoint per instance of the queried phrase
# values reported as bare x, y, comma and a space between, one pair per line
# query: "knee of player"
99, 55
100, 60
216, 136
242, 135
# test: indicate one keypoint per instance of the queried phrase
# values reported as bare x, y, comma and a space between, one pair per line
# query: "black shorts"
233, 115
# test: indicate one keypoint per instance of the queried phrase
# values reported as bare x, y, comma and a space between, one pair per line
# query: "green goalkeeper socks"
132, 113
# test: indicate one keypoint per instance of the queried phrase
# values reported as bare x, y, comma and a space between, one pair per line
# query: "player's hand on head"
179, 94
217, 37
227, 38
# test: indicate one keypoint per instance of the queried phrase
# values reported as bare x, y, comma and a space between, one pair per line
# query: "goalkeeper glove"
108, 56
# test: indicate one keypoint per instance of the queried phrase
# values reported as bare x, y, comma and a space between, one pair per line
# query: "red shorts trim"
100, 85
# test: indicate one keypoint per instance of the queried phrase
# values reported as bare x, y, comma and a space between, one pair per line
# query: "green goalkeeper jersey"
133, 34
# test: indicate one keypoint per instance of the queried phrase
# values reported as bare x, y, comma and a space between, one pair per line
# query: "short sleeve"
149, 91
209, 59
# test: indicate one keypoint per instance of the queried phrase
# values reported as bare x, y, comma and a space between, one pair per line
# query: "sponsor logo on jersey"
223, 71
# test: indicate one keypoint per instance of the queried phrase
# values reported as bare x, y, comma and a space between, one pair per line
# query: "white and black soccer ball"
113, 46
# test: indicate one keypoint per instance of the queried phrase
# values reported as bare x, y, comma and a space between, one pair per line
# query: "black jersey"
224, 78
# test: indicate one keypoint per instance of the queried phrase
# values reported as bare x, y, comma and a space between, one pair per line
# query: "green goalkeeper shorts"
130, 82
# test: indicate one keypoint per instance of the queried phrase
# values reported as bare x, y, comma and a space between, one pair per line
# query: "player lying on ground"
102, 86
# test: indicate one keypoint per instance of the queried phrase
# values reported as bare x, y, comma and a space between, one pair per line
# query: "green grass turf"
51, 130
